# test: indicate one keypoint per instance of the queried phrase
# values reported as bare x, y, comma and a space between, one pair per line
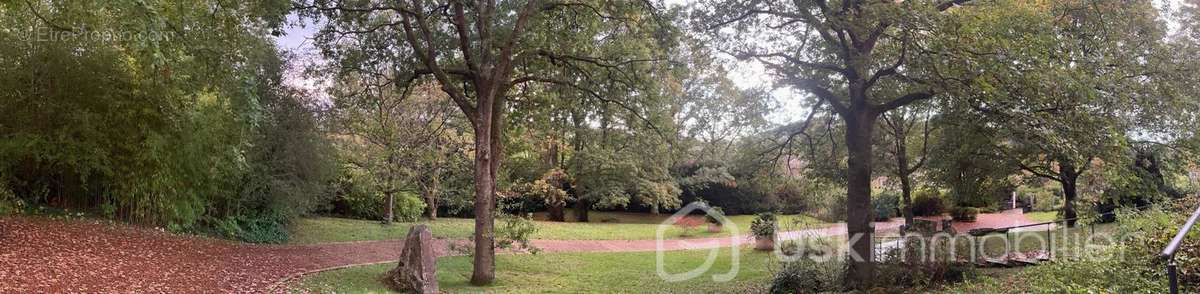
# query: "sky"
745, 74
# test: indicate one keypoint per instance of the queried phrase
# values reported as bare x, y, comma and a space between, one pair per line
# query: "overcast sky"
744, 74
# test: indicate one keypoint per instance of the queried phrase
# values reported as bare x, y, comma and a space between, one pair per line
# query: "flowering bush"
688, 224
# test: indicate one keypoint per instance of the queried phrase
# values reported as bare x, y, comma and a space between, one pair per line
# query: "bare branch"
815, 87
39, 16
428, 56
796, 61
593, 94
464, 38
902, 101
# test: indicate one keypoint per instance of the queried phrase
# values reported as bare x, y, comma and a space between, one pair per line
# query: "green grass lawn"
632, 272
1042, 216
603, 226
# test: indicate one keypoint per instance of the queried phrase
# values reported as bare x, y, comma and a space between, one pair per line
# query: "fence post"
1008, 249
1050, 241
1173, 275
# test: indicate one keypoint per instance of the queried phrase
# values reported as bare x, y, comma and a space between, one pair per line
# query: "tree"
710, 113
614, 167
140, 109
399, 135
1061, 110
480, 51
967, 161
846, 52
290, 160
440, 160
899, 128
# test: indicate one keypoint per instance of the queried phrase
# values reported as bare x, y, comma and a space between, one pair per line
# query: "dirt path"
47, 255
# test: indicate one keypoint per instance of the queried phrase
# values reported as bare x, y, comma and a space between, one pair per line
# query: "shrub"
357, 198
262, 228
764, 225
9, 203
520, 200
735, 200
545, 192
917, 275
885, 204
807, 276
1148, 232
790, 198
687, 224
712, 181
407, 207
810, 247
928, 202
964, 214
1099, 274
828, 202
514, 232
658, 195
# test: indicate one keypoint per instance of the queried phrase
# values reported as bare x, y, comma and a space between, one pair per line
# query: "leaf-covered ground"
39, 255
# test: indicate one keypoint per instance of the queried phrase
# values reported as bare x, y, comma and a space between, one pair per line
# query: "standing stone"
417, 271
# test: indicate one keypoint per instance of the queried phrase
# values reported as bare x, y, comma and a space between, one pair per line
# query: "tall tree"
141, 108
400, 135
905, 126
851, 55
710, 113
479, 51
1059, 108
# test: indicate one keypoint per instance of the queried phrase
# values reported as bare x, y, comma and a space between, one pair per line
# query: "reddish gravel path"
48, 255
1002, 219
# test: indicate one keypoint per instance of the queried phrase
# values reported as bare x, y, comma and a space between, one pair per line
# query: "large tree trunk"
906, 196
485, 183
900, 136
430, 203
859, 126
484, 271
556, 213
581, 210
1069, 177
431, 193
581, 205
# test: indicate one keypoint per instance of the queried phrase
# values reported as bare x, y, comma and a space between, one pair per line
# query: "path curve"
48, 255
